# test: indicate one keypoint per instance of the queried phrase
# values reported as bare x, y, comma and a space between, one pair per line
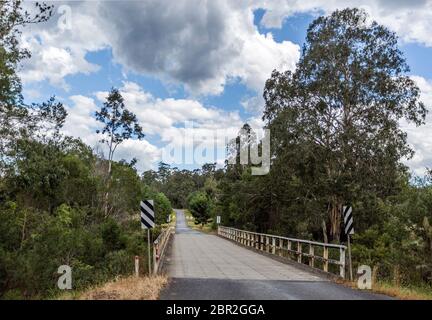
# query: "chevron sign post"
147, 214
348, 220
147, 222
349, 230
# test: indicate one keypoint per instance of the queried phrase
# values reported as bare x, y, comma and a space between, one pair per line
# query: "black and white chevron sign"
348, 220
147, 214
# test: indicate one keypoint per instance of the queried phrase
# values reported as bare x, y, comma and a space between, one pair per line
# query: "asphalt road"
207, 267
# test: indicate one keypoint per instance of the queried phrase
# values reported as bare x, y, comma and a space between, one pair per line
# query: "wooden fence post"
311, 255
289, 249
325, 256
342, 262
299, 251
273, 245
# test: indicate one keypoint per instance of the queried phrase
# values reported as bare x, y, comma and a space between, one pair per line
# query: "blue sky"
208, 67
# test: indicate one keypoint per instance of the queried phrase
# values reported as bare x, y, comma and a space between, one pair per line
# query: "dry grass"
402, 292
130, 288
389, 289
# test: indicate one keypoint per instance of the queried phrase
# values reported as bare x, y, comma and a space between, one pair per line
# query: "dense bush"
59, 202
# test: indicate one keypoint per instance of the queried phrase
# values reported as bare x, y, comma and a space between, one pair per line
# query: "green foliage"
177, 184
53, 188
162, 208
336, 139
17, 119
199, 206
340, 110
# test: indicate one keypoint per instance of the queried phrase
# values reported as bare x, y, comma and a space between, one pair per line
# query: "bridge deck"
203, 266
199, 255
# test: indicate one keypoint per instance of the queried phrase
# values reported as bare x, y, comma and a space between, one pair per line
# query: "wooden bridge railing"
159, 246
284, 247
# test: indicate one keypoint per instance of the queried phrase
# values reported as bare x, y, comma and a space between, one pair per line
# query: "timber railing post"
325, 256
299, 251
342, 263
289, 249
273, 245
311, 255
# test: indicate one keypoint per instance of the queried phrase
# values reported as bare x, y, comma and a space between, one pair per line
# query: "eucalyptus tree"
18, 120
119, 125
335, 120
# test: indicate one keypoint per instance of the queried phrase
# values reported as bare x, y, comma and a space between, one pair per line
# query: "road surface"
203, 266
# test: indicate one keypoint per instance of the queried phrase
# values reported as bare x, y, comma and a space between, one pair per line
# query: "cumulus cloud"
184, 124
81, 123
157, 115
253, 104
59, 49
419, 137
410, 19
200, 45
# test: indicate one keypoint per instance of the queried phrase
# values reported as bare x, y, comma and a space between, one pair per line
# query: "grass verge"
399, 292
207, 228
404, 293
129, 288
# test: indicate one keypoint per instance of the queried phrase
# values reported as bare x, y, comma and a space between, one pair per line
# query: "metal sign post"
147, 222
349, 258
349, 230
148, 250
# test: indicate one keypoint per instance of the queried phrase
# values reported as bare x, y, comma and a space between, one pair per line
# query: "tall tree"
120, 124
17, 119
335, 120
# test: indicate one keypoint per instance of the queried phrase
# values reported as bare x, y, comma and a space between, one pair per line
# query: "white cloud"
81, 123
168, 120
199, 45
410, 19
157, 115
420, 137
254, 104
58, 52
